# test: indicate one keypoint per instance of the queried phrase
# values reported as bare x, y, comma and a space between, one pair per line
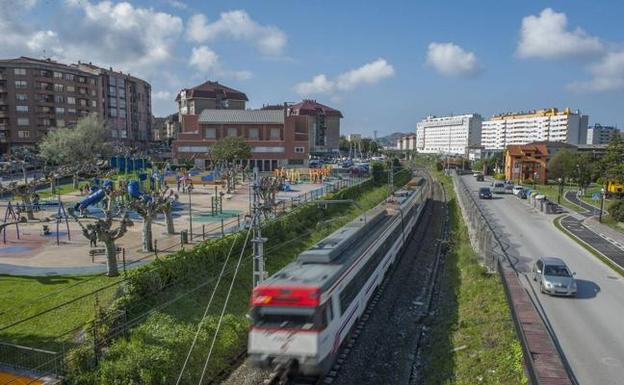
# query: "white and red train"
303, 313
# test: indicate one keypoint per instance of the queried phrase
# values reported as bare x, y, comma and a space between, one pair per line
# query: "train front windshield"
287, 317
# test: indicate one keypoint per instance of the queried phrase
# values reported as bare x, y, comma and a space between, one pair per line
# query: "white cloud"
547, 36
162, 95
177, 4
204, 59
607, 74
452, 60
367, 74
207, 62
237, 25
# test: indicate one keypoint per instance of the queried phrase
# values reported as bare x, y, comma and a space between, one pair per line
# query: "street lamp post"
602, 198
560, 190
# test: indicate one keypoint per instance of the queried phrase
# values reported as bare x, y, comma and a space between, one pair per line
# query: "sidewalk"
610, 234
597, 240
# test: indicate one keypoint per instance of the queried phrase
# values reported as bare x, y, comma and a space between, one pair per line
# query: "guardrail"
544, 359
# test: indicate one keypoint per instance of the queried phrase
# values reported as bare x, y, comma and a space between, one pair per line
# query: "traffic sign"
596, 196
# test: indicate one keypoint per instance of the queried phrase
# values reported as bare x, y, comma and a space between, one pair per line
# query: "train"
301, 315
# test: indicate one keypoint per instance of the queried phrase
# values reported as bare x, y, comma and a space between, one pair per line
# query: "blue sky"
385, 65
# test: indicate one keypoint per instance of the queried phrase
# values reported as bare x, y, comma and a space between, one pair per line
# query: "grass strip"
472, 339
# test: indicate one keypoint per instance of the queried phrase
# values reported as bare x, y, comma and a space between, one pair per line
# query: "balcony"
4, 127
4, 114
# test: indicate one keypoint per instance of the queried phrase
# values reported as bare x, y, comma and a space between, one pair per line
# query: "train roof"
323, 263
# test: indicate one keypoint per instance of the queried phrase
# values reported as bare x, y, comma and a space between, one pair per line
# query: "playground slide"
134, 190
90, 199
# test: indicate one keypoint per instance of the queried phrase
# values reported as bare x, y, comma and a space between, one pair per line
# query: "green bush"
616, 210
499, 176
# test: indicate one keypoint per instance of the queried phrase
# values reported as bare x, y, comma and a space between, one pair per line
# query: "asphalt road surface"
589, 328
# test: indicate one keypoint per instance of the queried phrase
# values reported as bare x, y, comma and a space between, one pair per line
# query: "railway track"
402, 302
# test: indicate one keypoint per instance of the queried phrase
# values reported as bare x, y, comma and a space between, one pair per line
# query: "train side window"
330, 304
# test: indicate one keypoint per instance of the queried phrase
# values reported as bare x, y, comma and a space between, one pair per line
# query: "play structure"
97, 194
10, 217
128, 164
299, 175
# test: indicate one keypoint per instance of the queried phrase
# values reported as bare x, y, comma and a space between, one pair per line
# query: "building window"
295, 162
21, 84
71, 100
82, 91
122, 93
70, 89
112, 90
276, 134
82, 79
23, 134
45, 122
92, 81
59, 99
69, 77
93, 103
254, 133
60, 110
58, 75
83, 102
121, 83
21, 97
93, 93
112, 102
299, 150
211, 133
112, 81
19, 71
21, 108
71, 111
58, 87
112, 112
232, 131
23, 122
60, 123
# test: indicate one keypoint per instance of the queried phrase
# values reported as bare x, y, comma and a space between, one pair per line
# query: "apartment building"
406, 142
125, 104
518, 128
279, 135
37, 96
598, 134
448, 134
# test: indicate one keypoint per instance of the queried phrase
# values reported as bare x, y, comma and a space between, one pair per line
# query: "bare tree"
104, 231
269, 186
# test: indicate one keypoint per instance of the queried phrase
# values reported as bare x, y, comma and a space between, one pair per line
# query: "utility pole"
259, 274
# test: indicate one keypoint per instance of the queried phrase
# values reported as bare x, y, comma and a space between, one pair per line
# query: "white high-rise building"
601, 134
535, 126
448, 134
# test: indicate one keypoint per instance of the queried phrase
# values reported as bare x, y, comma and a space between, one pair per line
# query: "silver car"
554, 276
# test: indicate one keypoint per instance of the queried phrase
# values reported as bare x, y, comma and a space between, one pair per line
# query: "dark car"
480, 178
485, 193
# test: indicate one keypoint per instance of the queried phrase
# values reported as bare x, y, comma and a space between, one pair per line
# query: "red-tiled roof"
312, 107
212, 89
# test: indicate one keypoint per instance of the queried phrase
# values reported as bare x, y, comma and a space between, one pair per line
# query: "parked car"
517, 190
524, 194
476, 174
498, 187
508, 188
480, 178
485, 193
554, 276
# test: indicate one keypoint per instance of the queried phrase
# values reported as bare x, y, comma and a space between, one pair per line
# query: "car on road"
517, 190
498, 187
480, 178
485, 193
508, 188
554, 277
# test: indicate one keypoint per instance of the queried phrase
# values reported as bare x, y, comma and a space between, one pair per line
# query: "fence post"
222, 230
238, 221
123, 258
156, 248
203, 232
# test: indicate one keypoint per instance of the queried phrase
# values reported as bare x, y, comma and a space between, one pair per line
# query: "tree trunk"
169, 220
111, 258
75, 182
147, 235
53, 186
29, 209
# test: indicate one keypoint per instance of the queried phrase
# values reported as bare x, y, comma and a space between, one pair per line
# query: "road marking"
611, 361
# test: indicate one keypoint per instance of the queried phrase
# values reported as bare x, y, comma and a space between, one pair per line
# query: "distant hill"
390, 140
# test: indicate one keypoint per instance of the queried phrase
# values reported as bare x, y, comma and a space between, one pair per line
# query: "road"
589, 328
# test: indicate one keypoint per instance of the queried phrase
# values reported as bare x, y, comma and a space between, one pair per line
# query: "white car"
517, 190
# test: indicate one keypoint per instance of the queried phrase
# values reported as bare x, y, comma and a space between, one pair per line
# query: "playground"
206, 206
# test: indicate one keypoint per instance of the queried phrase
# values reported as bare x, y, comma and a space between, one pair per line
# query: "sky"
384, 64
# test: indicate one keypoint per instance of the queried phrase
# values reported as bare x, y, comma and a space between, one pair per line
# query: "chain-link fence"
481, 235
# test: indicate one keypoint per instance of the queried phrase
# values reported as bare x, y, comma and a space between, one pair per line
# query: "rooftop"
312, 107
210, 89
242, 116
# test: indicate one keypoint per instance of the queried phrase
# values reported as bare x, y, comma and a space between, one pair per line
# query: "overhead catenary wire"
227, 299
201, 322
